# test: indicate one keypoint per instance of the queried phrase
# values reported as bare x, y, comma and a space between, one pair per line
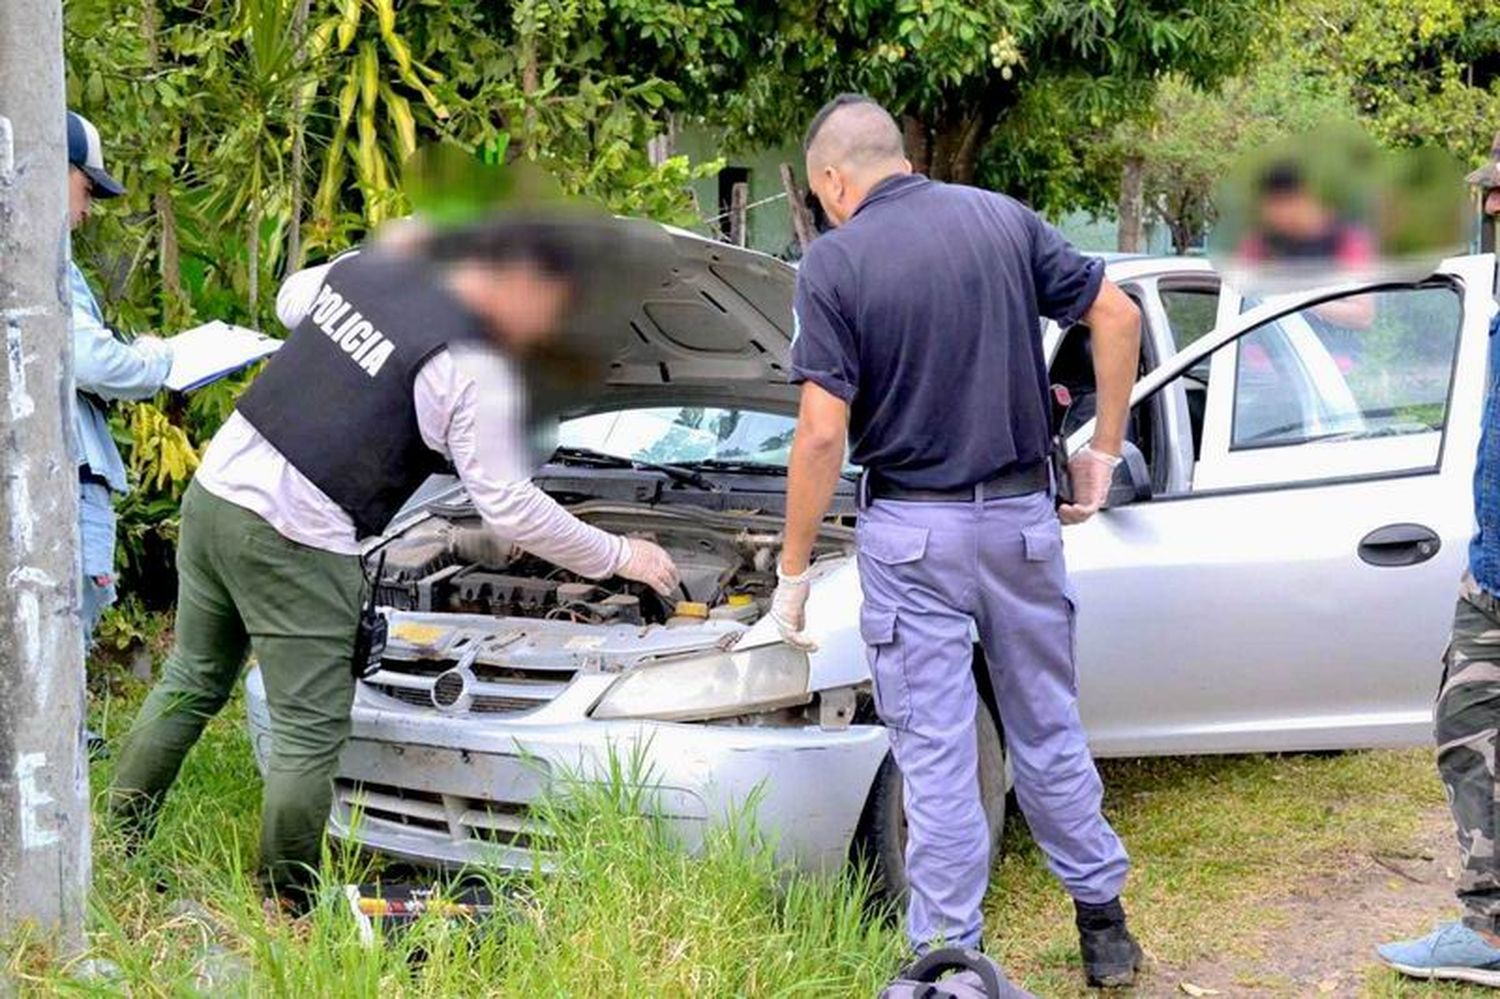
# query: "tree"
250, 133
1419, 72
1004, 92
1193, 136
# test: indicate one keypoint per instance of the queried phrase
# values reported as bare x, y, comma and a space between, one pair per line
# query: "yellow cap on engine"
740, 600
690, 608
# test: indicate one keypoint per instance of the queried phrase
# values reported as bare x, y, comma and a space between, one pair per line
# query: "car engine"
450, 562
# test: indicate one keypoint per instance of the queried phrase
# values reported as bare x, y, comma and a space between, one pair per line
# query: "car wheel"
880, 840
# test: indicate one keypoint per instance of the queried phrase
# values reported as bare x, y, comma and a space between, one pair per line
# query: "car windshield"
685, 434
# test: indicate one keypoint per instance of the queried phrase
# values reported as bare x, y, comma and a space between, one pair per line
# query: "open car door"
1292, 588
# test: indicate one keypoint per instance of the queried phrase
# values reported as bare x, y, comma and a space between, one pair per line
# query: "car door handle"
1399, 544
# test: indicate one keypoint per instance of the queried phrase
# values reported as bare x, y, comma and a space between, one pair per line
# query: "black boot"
1111, 956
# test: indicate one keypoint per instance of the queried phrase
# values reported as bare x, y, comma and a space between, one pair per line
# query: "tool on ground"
396, 908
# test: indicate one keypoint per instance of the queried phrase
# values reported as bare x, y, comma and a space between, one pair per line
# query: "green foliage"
1009, 92
1193, 137
254, 133
1419, 72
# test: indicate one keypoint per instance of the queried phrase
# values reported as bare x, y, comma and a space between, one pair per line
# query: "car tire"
880, 840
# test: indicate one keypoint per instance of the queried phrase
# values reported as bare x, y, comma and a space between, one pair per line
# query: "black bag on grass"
974, 976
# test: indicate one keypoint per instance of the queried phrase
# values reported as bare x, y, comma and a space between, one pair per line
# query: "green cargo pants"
241, 585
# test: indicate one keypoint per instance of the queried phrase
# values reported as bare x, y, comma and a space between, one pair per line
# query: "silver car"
1276, 571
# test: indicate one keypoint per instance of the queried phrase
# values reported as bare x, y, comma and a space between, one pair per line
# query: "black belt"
1031, 479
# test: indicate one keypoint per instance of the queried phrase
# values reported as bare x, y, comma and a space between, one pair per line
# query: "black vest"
337, 399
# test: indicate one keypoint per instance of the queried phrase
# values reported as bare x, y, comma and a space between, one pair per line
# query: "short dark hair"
553, 247
1282, 177
826, 111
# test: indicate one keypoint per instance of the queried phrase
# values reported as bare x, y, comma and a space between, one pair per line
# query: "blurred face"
80, 197
1294, 213
524, 304
1492, 202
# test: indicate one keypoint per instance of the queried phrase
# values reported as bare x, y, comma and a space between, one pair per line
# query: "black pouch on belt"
1062, 482
370, 636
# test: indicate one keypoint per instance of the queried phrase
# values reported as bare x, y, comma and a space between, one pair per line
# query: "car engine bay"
449, 562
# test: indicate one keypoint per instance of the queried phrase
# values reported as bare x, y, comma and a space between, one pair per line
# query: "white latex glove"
649, 563
1091, 472
789, 608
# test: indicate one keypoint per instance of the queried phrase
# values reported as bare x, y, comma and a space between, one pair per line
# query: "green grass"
631, 916
1213, 841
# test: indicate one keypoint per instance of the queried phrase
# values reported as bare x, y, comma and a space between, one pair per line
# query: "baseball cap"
1488, 175
87, 154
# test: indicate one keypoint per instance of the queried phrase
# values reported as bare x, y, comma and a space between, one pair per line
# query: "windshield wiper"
752, 467
601, 459
737, 465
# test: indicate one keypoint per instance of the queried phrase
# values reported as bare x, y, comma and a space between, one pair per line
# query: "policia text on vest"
347, 327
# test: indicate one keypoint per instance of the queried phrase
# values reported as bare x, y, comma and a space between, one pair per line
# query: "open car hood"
714, 328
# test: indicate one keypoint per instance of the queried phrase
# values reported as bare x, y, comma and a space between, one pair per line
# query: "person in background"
1295, 231
403, 358
1467, 714
919, 343
106, 366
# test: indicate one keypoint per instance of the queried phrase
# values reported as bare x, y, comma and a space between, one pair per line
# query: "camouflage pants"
1467, 720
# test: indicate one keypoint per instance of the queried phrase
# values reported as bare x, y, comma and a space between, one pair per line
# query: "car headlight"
710, 685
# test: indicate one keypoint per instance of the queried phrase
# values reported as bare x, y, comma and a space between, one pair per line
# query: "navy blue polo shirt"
922, 312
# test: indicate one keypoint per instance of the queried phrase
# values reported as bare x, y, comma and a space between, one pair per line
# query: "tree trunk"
174, 304
529, 83
966, 156
44, 799
299, 149
953, 149
1132, 206
918, 146
253, 251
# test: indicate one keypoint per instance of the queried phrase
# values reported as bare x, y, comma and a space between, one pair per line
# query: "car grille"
479, 688
363, 804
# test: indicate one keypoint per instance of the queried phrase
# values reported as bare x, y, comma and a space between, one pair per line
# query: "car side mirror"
1132, 481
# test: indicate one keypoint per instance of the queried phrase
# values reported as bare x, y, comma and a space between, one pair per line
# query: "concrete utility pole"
44, 817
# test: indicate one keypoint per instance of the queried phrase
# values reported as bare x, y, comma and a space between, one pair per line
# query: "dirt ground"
1320, 935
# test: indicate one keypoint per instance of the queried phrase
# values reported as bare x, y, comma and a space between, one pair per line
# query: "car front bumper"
457, 790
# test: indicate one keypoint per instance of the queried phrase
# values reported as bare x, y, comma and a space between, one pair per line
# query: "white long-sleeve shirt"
470, 407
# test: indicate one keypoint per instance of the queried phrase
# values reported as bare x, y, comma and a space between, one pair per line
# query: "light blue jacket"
106, 367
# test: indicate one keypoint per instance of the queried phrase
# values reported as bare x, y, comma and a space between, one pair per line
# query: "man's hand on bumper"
1091, 472
789, 608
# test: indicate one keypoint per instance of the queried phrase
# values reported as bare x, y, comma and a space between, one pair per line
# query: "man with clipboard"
106, 366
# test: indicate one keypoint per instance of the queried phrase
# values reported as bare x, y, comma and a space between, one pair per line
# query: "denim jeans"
96, 543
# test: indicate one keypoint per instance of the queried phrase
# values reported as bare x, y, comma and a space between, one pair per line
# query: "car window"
1358, 401
1191, 311
685, 433
1373, 365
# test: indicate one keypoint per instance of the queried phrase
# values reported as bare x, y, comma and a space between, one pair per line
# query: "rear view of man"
401, 360
918, 339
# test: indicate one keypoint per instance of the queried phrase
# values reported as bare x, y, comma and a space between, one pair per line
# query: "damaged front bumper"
437, 789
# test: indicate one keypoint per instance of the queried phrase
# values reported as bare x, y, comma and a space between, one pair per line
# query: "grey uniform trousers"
931, 571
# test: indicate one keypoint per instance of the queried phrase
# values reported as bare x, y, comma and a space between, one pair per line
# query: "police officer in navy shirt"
918, 340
